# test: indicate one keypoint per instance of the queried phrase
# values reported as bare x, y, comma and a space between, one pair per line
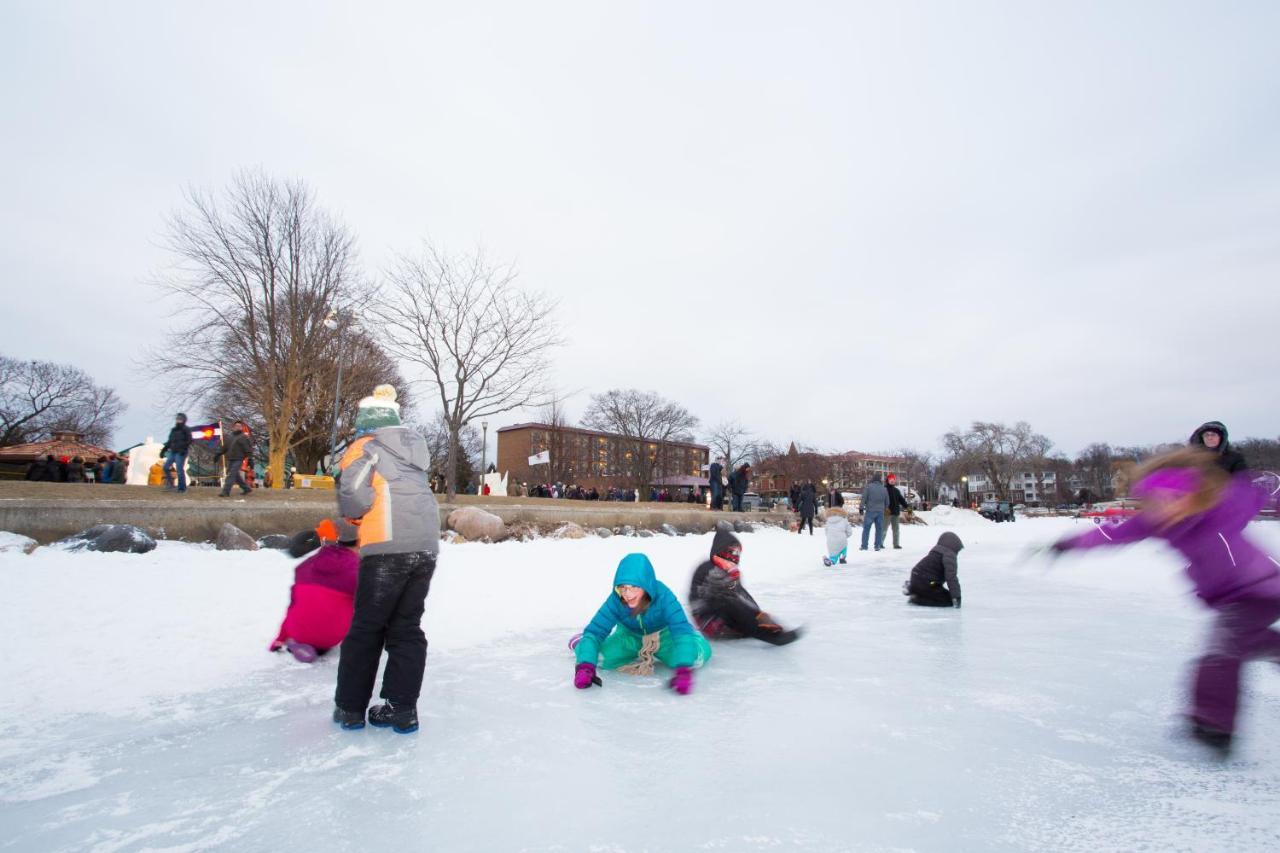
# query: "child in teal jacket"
641, 620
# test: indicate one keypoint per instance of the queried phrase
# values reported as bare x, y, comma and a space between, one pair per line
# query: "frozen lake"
142, 711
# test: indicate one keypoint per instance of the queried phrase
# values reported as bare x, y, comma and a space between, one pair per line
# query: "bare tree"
732, 441
39, 397
996, 450
921, 471
259, 272
466, 461
558, 443
481, 341
650, 420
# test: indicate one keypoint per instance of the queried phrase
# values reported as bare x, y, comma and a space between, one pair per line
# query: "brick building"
591, 459
844, 471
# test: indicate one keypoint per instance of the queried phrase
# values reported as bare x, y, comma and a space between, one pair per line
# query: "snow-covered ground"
141, 710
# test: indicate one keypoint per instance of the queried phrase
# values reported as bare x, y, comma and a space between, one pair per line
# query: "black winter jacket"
238, 449
939, 565
808, 502
896, 501
714, 475
739, 481
715, 594
179, 440
1229, 459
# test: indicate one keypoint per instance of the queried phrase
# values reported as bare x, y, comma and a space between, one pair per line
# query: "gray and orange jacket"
383, 489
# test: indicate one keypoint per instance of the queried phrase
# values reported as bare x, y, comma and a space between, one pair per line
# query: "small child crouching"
322, 600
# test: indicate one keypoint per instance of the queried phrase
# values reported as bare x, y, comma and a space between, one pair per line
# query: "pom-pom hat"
378, 410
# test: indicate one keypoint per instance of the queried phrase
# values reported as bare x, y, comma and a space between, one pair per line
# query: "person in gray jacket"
384, 489
875, 500
938, 566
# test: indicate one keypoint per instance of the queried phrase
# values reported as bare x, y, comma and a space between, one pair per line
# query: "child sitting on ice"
639, 621
939, 565
322, 600
1194, 505
721, 606
838, 532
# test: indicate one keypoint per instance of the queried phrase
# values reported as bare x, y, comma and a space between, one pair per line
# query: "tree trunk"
275, 464
451, 472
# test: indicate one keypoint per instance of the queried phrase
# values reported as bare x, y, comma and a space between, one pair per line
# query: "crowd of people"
365, 590
109, 469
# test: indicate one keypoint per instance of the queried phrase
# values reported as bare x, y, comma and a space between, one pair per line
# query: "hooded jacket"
1229, 459
712, 588
383, 489
740, 480
940, 565
322, 600
874, 498
1222, 563
664, 611
838, 532
896, 501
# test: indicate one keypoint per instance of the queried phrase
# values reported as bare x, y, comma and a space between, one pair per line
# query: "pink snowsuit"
1231, 574
322, 599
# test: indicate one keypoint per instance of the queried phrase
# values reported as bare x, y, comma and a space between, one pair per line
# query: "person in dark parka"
808, 507
237, 449
1213, 435
715, 479
897, 503
739, 483
721, 607
939, 565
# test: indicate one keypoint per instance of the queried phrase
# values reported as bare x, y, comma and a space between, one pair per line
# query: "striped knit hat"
378, 410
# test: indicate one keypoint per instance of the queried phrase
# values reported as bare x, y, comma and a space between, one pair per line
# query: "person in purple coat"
1194, 505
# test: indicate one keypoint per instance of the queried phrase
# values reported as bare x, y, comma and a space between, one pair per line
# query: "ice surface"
142, 710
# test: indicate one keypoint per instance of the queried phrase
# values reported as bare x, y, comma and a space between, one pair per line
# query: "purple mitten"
682, 681
584, 675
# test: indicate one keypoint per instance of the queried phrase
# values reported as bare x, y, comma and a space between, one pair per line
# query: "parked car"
996, 510
752, 501
1112, 512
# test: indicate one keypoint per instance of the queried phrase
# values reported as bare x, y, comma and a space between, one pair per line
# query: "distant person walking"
236, 450
808, 507
875, 500
716, 480
177, 447
1213, 436
896, 504
739, 483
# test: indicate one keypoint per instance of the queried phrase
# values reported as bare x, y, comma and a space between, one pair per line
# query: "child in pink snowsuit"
1200, 510
322, 600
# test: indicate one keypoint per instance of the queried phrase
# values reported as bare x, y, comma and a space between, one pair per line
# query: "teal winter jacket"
664, 611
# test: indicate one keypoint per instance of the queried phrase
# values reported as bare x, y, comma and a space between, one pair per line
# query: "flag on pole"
207, 432
543, 458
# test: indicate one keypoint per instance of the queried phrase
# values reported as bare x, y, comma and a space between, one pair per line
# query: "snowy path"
141, 711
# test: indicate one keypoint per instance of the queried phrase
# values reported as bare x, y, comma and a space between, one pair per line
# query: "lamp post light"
484, 450
334, 324
964, 487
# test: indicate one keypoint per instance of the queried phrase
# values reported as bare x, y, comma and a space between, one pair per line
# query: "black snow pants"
929, 596
391, 595
740, 620
805, 519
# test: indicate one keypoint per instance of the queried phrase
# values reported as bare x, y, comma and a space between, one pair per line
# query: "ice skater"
640, 620
941, 565
839, 532
721, 606
322, 599
383, 488
1190, 501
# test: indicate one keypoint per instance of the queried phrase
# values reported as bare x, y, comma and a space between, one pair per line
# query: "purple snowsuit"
1231, 574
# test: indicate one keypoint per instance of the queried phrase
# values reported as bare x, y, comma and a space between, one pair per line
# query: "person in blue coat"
640, 620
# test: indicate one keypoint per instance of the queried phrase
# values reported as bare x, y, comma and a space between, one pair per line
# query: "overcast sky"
854, 225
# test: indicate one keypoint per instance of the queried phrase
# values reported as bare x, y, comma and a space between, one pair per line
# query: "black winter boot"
403, 719
1216, 739
349, 720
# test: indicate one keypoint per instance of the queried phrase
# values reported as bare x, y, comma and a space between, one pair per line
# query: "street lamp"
334, 324
964, 487
484, 449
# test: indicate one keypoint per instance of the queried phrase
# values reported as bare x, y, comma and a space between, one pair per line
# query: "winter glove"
765, 621
955, 602
682, 681
585, 676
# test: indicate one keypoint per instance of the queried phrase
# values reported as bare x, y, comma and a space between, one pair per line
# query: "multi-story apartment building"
588, 458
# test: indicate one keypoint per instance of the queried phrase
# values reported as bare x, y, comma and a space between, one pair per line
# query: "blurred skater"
721, 606
1190, 501
322, 599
